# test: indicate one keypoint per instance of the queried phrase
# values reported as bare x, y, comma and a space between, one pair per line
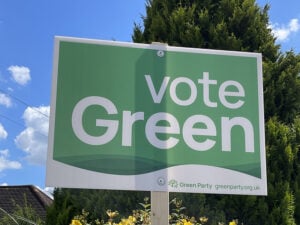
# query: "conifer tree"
241, 25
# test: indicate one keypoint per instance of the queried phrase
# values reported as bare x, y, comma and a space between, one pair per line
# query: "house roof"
35, 197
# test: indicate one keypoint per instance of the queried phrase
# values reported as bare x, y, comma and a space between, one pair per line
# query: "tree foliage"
217, 24
282, 87
241, 25
70, 202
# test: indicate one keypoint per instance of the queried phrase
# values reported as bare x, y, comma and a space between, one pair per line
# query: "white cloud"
283, 32
5, 100
4, 184
3, 132
33, 140
294, 25
20, 74
5, 163
4, 153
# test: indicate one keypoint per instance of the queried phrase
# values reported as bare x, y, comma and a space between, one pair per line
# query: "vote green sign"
156, 117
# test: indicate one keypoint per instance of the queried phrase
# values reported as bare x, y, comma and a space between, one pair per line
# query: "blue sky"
27, 30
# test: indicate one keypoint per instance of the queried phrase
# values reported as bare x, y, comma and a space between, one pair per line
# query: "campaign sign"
155, 117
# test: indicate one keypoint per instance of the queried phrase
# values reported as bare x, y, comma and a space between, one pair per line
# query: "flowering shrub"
142, 217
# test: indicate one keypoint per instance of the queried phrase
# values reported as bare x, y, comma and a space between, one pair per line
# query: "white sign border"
62, 175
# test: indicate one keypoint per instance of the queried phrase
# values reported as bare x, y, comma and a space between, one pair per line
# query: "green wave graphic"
252, 169
118, 165
128, 165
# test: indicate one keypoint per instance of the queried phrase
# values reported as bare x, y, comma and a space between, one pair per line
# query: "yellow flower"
76, 222
112, 214
130, 221
186, 222
232, 222
203, 219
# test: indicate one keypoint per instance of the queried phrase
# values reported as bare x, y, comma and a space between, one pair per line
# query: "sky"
27, 31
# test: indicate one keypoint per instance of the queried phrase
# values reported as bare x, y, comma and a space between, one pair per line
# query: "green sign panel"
155, 117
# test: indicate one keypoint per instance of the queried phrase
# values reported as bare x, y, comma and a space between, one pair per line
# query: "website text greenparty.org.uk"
230, 187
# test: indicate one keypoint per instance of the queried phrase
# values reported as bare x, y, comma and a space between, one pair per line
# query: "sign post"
159, 207
154, 117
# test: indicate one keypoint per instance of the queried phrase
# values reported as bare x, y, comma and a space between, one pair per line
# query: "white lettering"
128, 120
206, 82
157, 97
162, 129
228, 124
223, 93
77, 124
189, 131
192, 87
152, 129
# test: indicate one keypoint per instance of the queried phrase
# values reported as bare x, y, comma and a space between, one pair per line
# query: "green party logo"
173, 183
